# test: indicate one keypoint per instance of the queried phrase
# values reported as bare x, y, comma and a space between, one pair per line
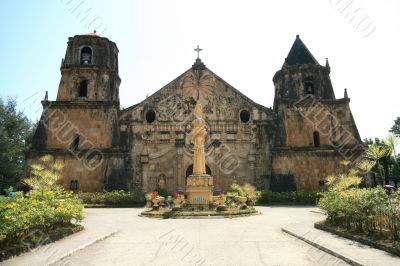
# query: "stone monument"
199, 186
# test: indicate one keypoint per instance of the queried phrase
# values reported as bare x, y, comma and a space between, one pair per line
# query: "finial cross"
198, 50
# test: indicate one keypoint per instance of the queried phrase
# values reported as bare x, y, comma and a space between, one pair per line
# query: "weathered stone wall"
93, 174
307, 167
332, 119
96, 125
102, 84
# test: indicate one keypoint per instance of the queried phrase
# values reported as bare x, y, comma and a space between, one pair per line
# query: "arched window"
82, 90
75, 143
316, 139
86, 56
150, 116
309, 86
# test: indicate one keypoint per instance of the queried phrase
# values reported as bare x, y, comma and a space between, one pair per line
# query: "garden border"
16, 251
323, 226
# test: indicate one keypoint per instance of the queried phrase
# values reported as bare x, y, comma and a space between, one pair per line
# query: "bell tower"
302, 76
81, 126
308, 112
89, 71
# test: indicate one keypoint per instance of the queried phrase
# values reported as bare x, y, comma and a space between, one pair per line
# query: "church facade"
295, 144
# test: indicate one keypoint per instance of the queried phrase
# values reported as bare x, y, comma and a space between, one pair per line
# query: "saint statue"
161, 181
199, 133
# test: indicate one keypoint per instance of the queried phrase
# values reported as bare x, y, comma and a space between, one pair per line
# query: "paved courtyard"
256, 240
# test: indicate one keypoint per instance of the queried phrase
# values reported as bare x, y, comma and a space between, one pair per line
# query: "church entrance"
189, 171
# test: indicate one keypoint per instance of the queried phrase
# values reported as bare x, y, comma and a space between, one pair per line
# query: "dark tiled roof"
299, 54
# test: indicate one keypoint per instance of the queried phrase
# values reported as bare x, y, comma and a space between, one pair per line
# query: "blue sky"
244, 42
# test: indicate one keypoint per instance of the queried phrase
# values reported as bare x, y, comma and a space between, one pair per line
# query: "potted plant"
148, 196
241, 200
154, 198
221, 199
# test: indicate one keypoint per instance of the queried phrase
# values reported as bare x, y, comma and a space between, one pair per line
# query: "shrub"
290, 197
162, 192
368, 210
236, 190
45, 208
116, 197
21, 214
246, 190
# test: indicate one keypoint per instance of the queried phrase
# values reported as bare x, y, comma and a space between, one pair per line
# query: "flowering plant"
151, 195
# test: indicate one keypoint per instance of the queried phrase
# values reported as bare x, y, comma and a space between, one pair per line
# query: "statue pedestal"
199, 189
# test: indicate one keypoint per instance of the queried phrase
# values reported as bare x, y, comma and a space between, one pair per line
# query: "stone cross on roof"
198, 50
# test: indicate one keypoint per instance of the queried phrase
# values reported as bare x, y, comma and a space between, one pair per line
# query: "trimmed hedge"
114, 198
290, 197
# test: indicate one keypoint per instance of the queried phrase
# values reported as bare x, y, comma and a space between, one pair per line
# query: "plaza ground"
133, 240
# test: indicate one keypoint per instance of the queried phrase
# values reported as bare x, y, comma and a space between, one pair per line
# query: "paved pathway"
255, 240
120, 237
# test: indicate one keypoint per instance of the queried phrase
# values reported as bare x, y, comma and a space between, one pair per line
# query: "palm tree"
376, 152
391, 142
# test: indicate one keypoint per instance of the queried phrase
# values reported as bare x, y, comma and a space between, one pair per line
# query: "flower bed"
167, 213
35, 213
369, 212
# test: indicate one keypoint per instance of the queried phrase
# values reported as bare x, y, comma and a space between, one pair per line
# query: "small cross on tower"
198, 50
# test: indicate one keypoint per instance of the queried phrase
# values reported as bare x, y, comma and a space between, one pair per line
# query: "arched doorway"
189, 171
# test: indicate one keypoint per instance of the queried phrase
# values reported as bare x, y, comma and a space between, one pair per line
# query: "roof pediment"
219, 99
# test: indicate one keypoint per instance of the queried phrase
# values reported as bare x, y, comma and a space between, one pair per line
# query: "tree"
392, 141
45, 174
396, 127
15, 131
378, 152
383, 153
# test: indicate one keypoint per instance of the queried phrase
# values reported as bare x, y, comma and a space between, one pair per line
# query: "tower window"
309, 87
82, 92
316, 139
150, 116
75, 143
86, 56
244, 116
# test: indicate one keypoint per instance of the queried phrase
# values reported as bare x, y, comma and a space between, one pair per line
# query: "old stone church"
293, 145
